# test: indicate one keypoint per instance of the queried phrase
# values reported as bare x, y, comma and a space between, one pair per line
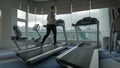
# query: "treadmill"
84, 22
82, 55
18, 38
33, 55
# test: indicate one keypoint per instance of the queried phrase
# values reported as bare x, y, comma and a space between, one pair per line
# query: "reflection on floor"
106, 60
8, 59
17, 63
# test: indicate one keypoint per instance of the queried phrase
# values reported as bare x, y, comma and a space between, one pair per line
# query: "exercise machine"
33, 55
18, 39
37, 28
84, 22
82, 55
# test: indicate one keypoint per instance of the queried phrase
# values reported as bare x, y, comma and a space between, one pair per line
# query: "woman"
51, 25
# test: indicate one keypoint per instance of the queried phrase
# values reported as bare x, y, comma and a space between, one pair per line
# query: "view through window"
85, 32
21, 23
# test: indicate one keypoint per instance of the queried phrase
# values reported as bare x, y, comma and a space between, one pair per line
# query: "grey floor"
109, 63
8, 59
16, 62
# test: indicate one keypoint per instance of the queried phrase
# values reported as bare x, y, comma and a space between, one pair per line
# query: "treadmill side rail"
95, 59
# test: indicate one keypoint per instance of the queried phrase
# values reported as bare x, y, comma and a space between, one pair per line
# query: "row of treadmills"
83, 55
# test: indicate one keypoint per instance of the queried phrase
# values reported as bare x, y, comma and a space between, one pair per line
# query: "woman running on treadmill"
51, 25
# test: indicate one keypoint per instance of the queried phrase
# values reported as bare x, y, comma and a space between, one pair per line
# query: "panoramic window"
32, 20
85, 32
89, 32
21, 14
67, 20
21, 26
21, 23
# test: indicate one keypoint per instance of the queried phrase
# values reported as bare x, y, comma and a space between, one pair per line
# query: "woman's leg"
54, 30
47, 34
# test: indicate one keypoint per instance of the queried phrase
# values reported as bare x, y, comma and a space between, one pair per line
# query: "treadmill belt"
29, 54
78, 58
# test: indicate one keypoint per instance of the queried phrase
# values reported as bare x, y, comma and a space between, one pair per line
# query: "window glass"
21, 26
32, 20
67, 20
21, 14
85, 32
89, 32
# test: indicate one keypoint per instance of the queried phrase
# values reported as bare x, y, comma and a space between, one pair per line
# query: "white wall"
0, 24
9, 17
0, 28
104, 24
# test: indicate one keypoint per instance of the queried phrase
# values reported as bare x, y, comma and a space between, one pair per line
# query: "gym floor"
8, 59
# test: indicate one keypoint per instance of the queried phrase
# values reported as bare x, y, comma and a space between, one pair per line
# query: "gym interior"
87, 34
